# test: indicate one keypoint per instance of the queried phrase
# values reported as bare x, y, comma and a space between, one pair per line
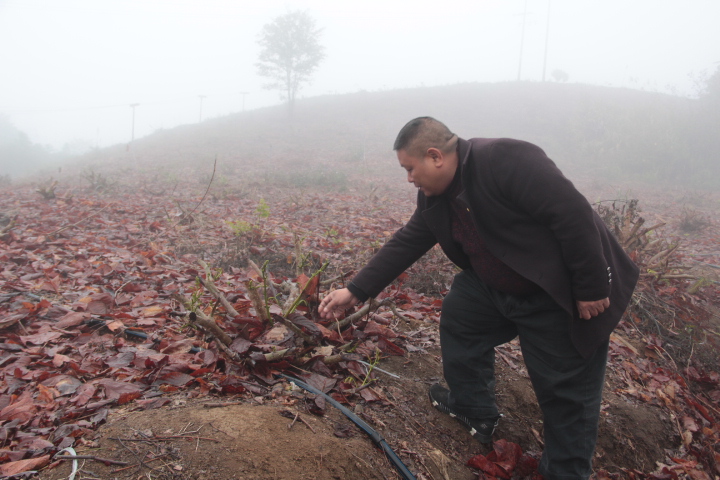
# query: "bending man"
537, 263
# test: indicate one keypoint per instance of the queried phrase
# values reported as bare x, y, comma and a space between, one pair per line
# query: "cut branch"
371, 305
279, 355
4, 230
298, 331
330, 281
199, 318
106, 461
258, 302
210, 286
226, 350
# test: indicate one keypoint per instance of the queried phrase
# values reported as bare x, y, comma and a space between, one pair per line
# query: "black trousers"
475, 319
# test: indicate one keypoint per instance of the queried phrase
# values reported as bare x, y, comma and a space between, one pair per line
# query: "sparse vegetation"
239, 227
679, 328
98, 182
301, 257
263, 209
655, 254
691, 221
47, 189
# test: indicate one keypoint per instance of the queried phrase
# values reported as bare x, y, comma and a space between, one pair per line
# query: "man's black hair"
422, 133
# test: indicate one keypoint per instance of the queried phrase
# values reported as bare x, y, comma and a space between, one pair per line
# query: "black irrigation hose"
373, 434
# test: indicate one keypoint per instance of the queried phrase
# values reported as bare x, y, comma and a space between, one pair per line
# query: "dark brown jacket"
533, 219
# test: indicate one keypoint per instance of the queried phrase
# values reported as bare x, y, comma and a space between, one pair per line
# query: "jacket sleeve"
527, 178
405, 247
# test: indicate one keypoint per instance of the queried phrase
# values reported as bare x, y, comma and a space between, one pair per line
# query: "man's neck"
455, 186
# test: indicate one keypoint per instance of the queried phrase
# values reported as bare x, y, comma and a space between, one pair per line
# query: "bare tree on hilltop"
290, 53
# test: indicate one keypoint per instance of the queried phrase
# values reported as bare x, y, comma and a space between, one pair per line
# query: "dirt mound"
239, 442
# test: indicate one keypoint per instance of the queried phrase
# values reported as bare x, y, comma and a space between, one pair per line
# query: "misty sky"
71, 68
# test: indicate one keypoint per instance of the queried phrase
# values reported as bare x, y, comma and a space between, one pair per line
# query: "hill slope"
605, 131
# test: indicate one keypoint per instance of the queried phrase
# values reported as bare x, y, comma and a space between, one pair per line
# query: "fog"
72, 68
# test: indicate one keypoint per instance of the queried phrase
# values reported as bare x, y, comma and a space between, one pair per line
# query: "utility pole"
522, 41
132, 134
202, 97
243, 95
547, 36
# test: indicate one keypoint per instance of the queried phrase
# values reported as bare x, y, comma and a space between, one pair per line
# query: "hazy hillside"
608, 132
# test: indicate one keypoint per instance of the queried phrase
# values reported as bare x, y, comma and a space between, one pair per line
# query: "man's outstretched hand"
587, 310
336, 300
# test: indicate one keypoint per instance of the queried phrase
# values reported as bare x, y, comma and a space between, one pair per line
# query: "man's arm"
407, 245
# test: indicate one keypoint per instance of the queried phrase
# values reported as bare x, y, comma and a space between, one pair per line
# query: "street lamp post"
243, 95
132, 132
547, 36
522, 41
202, 97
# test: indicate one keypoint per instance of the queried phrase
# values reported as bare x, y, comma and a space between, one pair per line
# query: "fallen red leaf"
483, 464
13, 468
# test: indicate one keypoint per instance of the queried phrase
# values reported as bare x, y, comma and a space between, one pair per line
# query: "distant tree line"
17, 153
20, 156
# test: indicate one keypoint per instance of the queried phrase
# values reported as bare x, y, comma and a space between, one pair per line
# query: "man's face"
423, 172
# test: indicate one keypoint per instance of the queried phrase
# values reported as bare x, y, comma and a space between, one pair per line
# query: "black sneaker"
480, 428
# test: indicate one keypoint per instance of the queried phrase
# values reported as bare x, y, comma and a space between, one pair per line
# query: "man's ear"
436, 156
